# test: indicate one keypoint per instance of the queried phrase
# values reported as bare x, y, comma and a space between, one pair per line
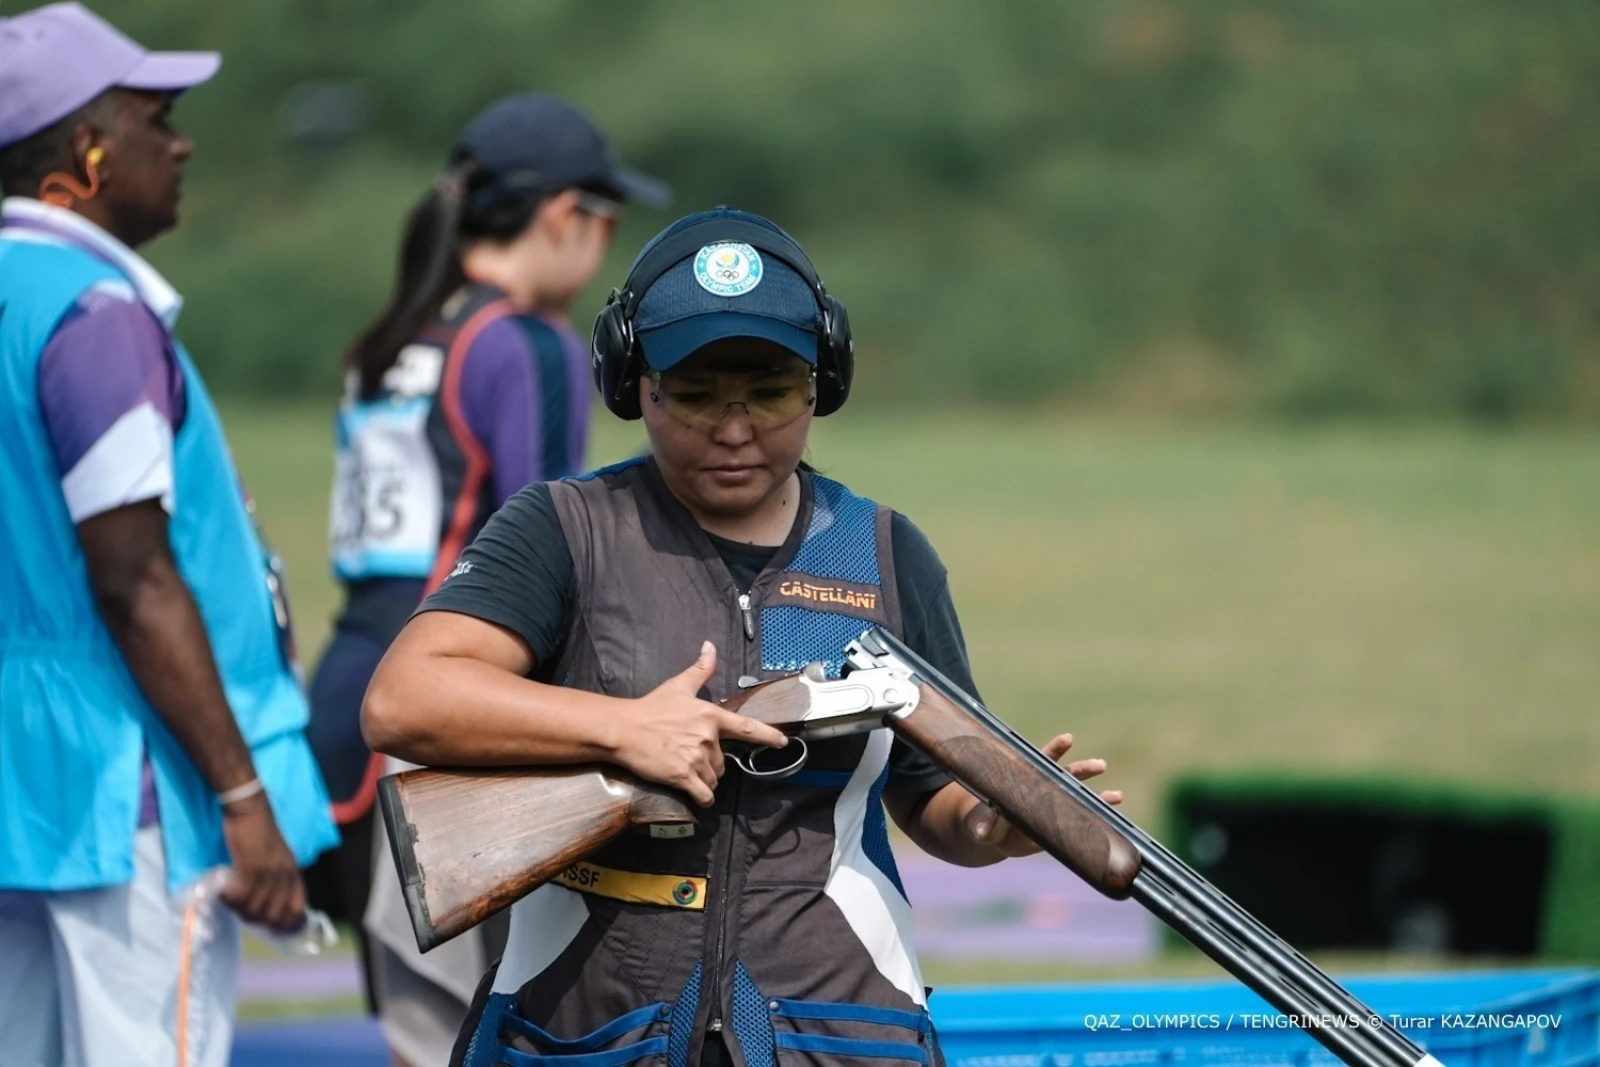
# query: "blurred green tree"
1303, 208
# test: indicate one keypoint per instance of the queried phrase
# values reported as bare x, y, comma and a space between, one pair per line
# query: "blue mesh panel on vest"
793, 637
875, 833
751, 1023
842, 543
683, 1021
483, 1050
842, 540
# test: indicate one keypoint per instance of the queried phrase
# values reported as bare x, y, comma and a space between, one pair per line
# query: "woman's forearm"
939, 827
417, 709
453, 690
950, 826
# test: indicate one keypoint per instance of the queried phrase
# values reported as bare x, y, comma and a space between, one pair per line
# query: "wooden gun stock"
471, 841
468, 843
1022, 792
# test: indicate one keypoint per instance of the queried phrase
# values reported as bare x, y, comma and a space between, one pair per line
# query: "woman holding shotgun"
598, 618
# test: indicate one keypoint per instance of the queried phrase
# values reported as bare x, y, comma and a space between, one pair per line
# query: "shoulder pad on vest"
601, 472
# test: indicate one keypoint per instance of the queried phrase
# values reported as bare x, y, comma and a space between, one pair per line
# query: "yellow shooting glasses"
772, 394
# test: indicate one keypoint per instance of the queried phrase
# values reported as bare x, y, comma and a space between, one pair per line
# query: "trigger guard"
780, 772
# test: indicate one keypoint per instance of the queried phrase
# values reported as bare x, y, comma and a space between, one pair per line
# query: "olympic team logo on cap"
727, 269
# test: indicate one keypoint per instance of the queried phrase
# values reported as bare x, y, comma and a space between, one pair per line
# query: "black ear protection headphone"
617, 358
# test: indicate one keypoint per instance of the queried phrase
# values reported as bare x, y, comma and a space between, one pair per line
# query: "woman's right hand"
672, 737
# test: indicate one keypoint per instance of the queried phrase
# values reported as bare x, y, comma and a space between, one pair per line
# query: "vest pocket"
810, 1033
646, 1026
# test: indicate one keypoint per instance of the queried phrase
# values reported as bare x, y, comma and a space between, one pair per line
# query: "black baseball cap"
725, 289
531, 140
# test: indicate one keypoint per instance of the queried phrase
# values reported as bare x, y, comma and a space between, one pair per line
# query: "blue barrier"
325, 1043
1481, 1019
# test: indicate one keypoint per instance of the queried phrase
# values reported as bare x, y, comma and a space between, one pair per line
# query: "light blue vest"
73, 724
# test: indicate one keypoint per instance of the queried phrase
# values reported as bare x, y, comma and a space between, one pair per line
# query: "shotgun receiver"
468, 843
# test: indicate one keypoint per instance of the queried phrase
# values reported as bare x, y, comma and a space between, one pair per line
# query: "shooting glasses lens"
601, 207
772, 396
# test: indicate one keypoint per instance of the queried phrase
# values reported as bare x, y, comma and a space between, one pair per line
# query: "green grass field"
1416, 603
1422, 603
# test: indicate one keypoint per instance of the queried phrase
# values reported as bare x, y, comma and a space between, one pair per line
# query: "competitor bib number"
386, 495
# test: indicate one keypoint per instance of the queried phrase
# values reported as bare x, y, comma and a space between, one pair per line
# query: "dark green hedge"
1570, 927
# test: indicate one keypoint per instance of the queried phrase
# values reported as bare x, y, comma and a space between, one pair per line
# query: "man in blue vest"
151, 721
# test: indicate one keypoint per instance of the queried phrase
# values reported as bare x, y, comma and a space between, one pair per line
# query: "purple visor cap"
57, 58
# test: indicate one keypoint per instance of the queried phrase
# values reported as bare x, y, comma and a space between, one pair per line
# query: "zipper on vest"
749, 619
715, 1025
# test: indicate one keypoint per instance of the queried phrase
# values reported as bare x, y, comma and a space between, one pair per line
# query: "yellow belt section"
666, 890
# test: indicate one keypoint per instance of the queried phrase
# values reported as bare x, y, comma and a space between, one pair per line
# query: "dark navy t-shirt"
519, 574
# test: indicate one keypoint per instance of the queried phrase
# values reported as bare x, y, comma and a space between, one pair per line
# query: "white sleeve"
132, 461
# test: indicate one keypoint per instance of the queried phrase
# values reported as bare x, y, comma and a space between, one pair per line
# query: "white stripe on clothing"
106, 291
874, 908
132, 461
155, 291
543, 924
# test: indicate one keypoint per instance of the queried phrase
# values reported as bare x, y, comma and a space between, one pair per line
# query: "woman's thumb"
701, 669
985, 826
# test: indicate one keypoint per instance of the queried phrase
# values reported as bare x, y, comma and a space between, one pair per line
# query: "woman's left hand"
987, 827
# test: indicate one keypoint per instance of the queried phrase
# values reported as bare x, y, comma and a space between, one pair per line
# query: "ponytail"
430, 270
466, 204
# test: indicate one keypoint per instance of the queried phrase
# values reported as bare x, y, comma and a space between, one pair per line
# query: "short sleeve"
110, 393
499, 399
515, 398
933, 631
517, 573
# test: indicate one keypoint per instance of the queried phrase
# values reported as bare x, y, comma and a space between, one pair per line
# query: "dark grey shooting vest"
782, 922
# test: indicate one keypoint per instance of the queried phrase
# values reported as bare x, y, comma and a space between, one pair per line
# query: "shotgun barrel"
1070, 821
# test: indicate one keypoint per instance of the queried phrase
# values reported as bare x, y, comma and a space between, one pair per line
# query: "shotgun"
470, 842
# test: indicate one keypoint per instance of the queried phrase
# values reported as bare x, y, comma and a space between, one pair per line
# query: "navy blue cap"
725, 289
544, 142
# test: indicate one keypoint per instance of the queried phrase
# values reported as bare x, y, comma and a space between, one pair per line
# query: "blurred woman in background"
467, 386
